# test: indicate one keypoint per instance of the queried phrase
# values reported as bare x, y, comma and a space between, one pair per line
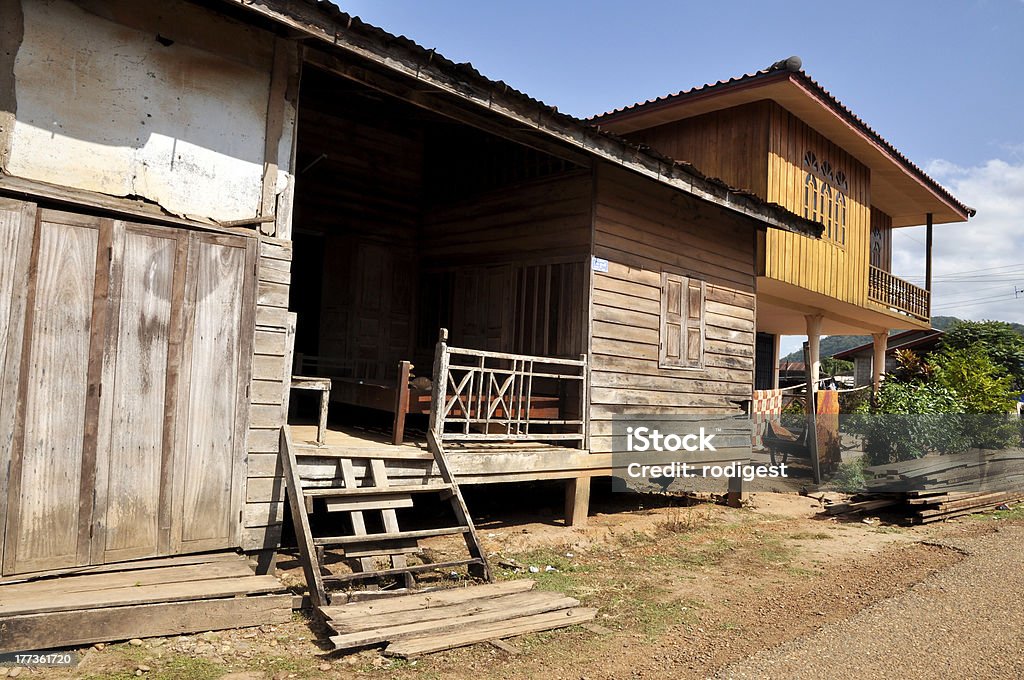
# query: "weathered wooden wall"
271, 377
838, 271
643, 230
731, 145
166, 102
516, 257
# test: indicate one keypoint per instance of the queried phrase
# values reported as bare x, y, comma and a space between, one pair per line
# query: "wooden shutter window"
682, 322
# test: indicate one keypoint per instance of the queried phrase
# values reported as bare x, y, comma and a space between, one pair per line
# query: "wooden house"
197, 199
782, 136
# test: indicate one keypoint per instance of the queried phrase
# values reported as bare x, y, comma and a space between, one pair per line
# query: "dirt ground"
686, 592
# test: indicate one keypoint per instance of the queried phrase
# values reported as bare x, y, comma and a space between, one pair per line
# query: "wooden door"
126, 353
50, 491
209, 462
142, 357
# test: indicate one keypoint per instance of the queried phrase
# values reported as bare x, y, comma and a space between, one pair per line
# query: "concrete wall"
166, 102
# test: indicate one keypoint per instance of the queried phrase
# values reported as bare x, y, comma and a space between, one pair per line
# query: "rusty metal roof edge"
816, 88
350, 33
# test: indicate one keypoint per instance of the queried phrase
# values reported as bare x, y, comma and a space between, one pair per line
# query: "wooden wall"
531, 221
643, 229
208, 132
510, 264
881, 240
818, 265
731, 145
263, 511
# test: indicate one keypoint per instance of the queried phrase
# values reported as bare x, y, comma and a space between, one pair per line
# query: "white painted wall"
103, 106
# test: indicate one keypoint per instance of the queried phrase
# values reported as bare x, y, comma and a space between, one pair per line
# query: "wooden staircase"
360, 495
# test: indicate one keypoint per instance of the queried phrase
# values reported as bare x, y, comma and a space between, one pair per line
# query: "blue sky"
941, 80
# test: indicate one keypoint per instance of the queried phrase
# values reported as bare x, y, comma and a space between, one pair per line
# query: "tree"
833, 366
952, 400
1000, 341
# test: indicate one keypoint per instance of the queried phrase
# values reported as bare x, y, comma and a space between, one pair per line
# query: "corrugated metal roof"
815, 87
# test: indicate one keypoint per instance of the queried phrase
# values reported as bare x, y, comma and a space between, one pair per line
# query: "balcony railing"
898, 295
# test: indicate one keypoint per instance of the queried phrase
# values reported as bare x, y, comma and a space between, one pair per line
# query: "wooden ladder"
377, 494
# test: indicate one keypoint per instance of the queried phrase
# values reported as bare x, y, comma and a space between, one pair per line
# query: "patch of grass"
685, 520
186, 668
565, 578
809, 536
888, 530
650, 612
772, 551
1015, 512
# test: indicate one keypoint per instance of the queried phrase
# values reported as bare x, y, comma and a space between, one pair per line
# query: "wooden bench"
323, 386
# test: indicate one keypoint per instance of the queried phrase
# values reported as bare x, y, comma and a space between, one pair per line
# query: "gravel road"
966, 621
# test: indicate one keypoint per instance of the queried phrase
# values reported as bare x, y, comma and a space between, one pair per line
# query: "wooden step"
383, 501
29, 603
314, 451
340, 491
390, 536
414, 569
79, 627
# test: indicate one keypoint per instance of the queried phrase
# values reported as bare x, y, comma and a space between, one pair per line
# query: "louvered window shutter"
682, 322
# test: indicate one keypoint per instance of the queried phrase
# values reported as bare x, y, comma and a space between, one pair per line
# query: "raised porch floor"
472, 462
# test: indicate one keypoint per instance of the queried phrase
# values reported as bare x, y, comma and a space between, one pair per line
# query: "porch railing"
496, 396
897, 294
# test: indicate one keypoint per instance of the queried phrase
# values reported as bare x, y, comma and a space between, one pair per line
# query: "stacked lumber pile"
411, 625
936, 488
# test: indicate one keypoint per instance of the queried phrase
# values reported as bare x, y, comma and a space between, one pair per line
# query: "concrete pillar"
880, 344
813, 356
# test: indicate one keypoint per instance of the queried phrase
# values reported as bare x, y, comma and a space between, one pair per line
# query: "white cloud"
992, 241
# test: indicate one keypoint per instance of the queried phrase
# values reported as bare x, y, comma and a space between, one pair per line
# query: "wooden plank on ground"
202, 558
424, 644
437, 598
161, 592
546, 603
85, 626
511, 602
123, 579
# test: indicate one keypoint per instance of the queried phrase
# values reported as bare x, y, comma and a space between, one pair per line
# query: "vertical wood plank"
45, 501
131, 465
17, 229
220, 270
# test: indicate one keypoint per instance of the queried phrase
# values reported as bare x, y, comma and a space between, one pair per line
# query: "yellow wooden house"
780, 135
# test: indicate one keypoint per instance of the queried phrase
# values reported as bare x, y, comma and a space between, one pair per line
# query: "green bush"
1003, 345
849, 477
956, 399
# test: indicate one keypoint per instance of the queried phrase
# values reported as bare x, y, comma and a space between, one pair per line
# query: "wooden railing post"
584, 399
440, 387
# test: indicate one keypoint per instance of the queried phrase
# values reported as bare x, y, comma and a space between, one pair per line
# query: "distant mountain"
944, 323
834, 344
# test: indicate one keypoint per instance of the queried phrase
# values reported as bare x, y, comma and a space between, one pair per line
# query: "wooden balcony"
898, 295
